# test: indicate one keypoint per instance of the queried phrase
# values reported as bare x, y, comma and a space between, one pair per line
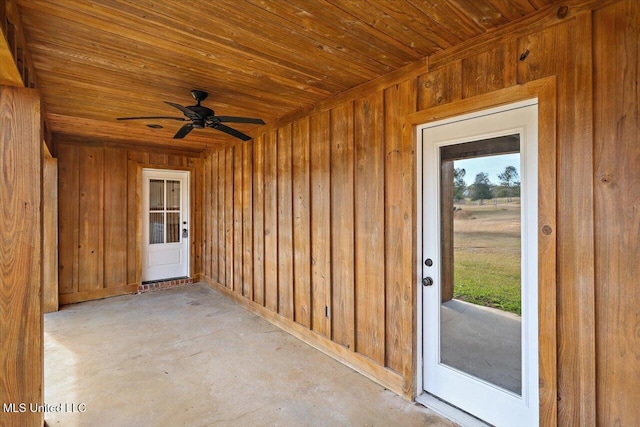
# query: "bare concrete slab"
191, 357
484, 342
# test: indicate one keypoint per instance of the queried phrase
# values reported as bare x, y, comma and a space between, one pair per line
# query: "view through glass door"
480, 264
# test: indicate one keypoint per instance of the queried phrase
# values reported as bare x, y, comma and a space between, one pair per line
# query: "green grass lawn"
487, 257
487, 280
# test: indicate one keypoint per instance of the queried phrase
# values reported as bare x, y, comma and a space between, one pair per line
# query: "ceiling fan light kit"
201, 117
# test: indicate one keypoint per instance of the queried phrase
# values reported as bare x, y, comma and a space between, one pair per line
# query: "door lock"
185, 233
427, 281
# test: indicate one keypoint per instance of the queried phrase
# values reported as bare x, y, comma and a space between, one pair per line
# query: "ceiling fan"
201, 117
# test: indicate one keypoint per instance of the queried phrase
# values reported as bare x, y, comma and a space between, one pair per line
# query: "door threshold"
449, 411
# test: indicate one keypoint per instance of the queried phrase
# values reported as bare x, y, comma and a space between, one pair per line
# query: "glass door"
479, 282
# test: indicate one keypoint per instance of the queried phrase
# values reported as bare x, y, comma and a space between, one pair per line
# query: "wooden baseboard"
362, 364
131, 288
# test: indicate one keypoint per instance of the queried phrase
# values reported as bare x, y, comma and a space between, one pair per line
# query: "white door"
165, 224
479, 263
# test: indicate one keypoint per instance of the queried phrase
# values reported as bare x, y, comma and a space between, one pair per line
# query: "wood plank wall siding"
99, 217
21, 317
312, 224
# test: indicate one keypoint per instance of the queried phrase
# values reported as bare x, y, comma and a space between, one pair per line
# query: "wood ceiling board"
316, 38
482, 12
230, 39
96, 32
322, 19
223, 103
198, 139
169, 59
405, 23
102, 59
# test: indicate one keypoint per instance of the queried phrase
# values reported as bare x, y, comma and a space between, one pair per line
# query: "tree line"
483, 189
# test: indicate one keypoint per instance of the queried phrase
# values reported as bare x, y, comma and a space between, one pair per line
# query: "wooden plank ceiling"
96, 60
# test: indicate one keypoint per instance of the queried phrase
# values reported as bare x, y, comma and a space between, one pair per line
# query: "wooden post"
21, 319
446, 210
50, 234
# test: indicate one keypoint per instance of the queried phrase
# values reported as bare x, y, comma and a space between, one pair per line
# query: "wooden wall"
616, 172
99, 217
315, 216
21, 318
50, 233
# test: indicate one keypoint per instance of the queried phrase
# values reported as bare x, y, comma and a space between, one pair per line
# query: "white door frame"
185, 177
420, 226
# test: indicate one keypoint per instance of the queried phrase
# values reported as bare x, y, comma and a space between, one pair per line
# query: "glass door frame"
546, 91
434, 170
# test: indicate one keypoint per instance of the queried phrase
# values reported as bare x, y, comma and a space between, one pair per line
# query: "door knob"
427, 281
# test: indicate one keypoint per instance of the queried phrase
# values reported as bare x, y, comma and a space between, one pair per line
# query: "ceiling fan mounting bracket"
199, 95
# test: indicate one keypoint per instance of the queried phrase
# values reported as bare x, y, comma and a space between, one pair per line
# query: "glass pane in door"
156, 227
173, 195
156, 194
173, 227
480, 312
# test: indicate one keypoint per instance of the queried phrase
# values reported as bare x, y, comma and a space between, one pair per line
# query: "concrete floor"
189, 356
482, 341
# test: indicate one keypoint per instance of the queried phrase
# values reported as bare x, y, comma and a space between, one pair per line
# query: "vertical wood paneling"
206, 218
369, 227
399, 101
616, 31
237, 218
176, 160
555, 51
196, 211
68, 194
270, 221
90, 233
115, 218
21, 320
134, 186
221, 217
301, 223
440, 86
50, 234
320, 168
258, 220
488, 71
215, 215
285, 224
228, 217
158, 159
247, 221
342, 226
99, 219
367, 274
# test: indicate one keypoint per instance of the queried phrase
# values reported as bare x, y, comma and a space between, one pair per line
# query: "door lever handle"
427, 281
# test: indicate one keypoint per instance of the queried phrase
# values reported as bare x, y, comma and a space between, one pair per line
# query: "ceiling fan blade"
232, 132
234, 119
187, 112
150, 118
183, 131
